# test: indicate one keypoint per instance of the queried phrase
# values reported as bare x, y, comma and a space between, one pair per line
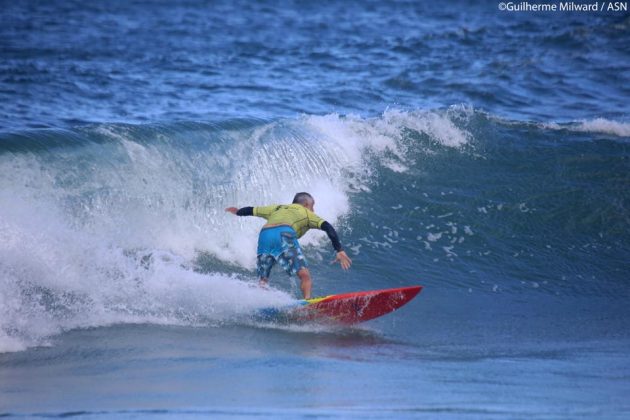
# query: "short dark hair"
303, 198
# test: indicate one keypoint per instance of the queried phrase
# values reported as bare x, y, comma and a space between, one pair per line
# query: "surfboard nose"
402, 295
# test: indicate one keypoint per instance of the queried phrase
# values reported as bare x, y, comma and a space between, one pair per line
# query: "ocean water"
483, 154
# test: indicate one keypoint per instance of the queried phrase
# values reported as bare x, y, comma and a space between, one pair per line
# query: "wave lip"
596, 125
602, 125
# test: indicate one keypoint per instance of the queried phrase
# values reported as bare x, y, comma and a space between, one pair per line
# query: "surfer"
278, 238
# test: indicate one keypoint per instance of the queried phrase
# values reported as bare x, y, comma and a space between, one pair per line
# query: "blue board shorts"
279, 244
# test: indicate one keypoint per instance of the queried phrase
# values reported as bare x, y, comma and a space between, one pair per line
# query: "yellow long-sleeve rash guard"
297, 216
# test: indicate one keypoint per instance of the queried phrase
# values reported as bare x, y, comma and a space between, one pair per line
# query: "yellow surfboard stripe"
317, 299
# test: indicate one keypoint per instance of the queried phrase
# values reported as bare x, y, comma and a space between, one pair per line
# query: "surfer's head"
304, 199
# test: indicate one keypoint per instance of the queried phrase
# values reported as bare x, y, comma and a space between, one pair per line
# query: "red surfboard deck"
345, 309
352, 308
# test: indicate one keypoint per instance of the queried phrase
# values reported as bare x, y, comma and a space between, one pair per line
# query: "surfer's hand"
343, 259
232, 210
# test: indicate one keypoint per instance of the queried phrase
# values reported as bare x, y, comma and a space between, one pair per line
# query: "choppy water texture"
482, 154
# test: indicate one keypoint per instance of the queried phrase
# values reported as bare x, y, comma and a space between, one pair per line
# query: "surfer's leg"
269, 244
293, 262
306, 284
264, 263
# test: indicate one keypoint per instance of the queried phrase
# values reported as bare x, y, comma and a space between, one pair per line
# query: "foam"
58, 274
54, 278
602, 125
597, 125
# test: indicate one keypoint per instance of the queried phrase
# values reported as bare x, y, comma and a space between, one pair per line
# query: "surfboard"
345, 309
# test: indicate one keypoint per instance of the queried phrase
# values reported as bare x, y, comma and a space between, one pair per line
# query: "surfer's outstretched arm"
341, 257
243, 211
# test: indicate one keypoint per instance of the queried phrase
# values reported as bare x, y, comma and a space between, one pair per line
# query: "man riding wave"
278, 238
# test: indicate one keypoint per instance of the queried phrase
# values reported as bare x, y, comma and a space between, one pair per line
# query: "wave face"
119, 223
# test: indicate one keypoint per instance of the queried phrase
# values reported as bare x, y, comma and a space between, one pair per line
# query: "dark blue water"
480, 153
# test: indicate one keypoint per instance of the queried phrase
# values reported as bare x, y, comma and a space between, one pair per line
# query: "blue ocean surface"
483, 154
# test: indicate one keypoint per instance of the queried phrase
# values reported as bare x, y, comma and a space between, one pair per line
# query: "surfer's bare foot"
264, 283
